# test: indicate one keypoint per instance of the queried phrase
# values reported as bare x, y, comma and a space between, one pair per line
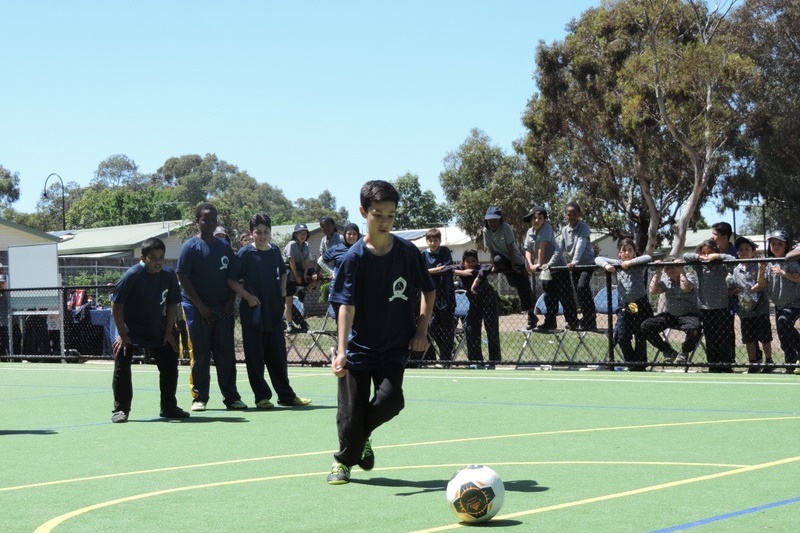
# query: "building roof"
14, 234
105, 242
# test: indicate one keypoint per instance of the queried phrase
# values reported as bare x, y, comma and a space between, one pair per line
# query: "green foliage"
101, 207
509, 305
116, 171
417, 209
316, 208
478, 175
102, 277
9, 187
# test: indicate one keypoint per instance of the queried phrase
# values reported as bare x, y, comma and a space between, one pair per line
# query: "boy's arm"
655, 285
343, 326
419, 342
794, 254
123, 339
172, 314
237, 288
191, 292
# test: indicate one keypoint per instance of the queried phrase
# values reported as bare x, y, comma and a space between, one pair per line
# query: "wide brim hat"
533, 211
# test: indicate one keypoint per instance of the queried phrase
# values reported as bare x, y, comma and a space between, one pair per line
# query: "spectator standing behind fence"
483, 307
781, 281
499, 239
262, 273
442, 325
330, 238
680, 311
574, 248
301, 273
208, 307
634, 304
539, 246
712, 298
753, 307
144, 306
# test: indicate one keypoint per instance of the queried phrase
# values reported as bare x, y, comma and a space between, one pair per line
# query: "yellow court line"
390, 446
633, 492
48, 526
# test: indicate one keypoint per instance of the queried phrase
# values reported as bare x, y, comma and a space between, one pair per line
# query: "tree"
117, 171
478, 175
243, 197
9, 187
599, 139
418, 209
307, 209
195, 179
697, 78
769, 32
118, 206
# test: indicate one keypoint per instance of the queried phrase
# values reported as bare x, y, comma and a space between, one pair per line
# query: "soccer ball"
475, 493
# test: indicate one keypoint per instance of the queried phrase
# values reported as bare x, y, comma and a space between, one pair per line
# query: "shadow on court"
439, 485
27, 432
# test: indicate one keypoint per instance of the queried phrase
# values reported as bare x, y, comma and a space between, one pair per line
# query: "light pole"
63, 201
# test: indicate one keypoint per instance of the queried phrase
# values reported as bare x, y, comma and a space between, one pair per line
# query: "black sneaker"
367, 461
340, 474
175, 412
119, 417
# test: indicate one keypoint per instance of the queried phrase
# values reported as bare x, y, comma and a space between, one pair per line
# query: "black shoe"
119, 417
294, 330
367, 461
175, 412
546, 326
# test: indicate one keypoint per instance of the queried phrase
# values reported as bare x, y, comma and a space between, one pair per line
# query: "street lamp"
63, 201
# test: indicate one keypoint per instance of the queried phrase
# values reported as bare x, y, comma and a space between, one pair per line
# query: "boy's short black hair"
573, 205
469, 253
260, 218
327, 219
205, 206
153, 244
723, 228
378, 191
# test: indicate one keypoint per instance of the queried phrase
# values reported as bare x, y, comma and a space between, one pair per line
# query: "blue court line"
726, 516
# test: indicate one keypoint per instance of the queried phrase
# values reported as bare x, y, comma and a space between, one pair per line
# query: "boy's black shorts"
756, 329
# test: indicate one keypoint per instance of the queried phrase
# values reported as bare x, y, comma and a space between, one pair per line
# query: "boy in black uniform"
144, 306
376, 289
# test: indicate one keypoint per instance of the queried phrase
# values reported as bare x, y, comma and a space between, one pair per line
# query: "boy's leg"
388, 400
693, 328
472, 331
254, 348
787, 334
563, 282
652, 328
275, 358
491, 321
200, 338
586, 299
353, 403
122, 382
550, 304
167, 362
623, 334
225, 357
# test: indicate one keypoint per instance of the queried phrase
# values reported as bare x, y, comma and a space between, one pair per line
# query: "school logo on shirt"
164, 301
224, 261
398, 288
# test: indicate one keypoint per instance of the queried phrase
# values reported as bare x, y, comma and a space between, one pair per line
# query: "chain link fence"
581, 323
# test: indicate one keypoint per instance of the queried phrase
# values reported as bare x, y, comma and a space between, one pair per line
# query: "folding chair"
328, 330
527, 334
462, 307
601, 307
291, 338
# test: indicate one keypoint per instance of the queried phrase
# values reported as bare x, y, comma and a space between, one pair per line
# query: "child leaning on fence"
483, 307
634, 304
782, 281
680, 309
712, 298
753, 308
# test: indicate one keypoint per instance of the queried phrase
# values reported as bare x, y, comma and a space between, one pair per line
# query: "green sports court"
578, 451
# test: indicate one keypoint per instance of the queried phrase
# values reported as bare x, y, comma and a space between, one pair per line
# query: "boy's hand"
609, 268
419, 343
169, 339
120, 343
337, 365
252, 301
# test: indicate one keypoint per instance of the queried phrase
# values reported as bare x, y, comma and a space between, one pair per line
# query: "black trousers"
358, 415
718, 330
266, 349
442, 328
122, 383
689, 324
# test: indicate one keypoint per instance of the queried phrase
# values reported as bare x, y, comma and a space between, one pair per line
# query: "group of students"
382, 293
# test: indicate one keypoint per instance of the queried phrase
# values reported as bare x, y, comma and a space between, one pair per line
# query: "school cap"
300, 227
533, 211
779, 234
493, 213
745, 240
220, 231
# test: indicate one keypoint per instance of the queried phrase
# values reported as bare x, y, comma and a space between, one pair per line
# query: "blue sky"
305, 96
